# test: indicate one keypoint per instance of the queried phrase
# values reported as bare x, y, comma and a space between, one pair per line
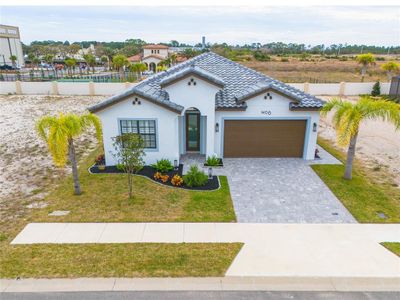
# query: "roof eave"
100, 107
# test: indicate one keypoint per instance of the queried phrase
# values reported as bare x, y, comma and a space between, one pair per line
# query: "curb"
231, 283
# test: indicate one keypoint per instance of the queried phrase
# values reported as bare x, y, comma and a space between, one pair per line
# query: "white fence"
90, 88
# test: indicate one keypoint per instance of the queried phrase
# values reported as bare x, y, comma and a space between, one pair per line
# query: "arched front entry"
152, 67
192, 130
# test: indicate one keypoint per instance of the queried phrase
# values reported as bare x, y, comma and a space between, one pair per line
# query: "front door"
192, 131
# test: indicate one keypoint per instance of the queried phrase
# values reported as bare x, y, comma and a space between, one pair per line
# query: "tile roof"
155, 46
239, 83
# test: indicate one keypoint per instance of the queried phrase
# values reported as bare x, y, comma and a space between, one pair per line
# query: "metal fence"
51, 75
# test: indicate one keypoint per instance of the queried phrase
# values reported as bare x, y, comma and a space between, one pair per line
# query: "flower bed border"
149, 171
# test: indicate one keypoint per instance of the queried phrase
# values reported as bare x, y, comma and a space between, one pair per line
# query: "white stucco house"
152, 55
213, 106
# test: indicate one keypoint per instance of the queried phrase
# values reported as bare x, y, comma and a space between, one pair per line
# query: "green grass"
116, 260
394, 247
105, 199
363, 196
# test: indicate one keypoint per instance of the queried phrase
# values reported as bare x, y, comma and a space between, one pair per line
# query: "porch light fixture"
314, 128
210, 173
216, 127
175, 164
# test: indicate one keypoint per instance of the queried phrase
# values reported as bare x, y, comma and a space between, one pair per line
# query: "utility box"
395, 87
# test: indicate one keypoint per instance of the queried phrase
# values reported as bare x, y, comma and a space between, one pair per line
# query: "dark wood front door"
264, 138
192, 131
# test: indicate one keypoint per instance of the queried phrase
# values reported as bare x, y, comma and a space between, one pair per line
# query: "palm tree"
365, 60
13, 59
104, 59
36, 61
138, 68
173, 58
59, 134
390, 67
70, 63
120, 61
348, 117
90, 60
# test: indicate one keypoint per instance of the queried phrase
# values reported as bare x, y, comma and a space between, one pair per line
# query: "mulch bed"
148, 171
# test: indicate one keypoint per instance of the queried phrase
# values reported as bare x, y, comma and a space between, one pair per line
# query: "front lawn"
116, 260
365, 198
105, 199
394, 247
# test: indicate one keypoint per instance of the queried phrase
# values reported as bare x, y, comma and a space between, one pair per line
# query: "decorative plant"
129, 153
164, 178
365, 60
177, 180
195, 177
99, 159
157, 175
376, 89
60, 134
390, 67
348, 117
212, 161
163, 165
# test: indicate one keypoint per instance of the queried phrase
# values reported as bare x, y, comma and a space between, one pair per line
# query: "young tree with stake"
129, 155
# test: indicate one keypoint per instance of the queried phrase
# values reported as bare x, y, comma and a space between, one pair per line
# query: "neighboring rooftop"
238, 83
155, 46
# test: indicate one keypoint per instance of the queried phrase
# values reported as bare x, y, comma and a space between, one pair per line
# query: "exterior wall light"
314, 128
210, 176
216, 127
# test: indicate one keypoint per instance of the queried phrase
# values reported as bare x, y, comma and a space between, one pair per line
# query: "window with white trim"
146, 129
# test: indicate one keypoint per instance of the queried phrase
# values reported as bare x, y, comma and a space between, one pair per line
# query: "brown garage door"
264, 138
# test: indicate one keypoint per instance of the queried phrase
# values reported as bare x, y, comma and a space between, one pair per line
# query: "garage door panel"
264, 138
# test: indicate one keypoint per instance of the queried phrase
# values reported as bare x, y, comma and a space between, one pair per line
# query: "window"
146, 129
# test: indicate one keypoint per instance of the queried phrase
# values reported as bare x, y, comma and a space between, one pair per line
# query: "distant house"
152, 55
212, 106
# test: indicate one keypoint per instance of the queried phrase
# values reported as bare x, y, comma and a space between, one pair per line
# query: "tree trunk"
72, 159
350, 157
363, 71
130, 184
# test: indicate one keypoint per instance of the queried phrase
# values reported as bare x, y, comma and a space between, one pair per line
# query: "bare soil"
26, 166
378, 143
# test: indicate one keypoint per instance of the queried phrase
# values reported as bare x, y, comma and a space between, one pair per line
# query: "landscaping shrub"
195, 177
177, 180
376, 89
159, 176
212, 161
163, 165
100, 159
120, 167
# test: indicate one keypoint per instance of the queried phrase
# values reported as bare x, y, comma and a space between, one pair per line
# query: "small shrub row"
176, 180
163, 165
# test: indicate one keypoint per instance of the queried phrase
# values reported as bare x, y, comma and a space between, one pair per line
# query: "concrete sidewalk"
270, 250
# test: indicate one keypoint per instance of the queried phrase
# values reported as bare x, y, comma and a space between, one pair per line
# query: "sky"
371, 25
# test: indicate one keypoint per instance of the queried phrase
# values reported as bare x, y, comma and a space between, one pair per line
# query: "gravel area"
26, 165
378, 144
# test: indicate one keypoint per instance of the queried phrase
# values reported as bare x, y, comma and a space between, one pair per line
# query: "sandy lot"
25, 164
378, 143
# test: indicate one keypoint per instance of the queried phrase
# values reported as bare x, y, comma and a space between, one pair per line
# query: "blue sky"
236, 25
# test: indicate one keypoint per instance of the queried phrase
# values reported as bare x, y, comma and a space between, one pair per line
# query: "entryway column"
210, 123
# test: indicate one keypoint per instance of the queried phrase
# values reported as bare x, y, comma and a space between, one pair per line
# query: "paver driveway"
280, 190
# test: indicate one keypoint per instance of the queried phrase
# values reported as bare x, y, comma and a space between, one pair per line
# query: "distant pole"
362, 49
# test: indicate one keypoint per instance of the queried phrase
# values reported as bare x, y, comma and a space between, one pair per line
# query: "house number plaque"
266, 112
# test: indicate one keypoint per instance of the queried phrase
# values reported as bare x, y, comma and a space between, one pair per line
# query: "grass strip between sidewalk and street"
393, 247
366, 198
117, 260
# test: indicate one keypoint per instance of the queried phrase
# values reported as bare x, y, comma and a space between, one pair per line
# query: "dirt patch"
378, 143
26, 167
